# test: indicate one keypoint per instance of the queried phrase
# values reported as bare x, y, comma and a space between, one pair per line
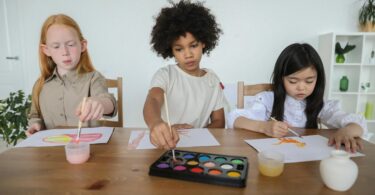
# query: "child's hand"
93, 109
181, 126
33, 129
161, 137
351, 143
276, 129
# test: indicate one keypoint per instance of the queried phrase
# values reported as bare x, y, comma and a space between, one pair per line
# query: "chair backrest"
117, 84
249, 90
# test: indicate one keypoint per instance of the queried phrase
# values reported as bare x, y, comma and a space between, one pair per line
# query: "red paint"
196, 170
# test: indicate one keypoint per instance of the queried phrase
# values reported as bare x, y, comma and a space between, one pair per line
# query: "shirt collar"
291, 102
53, 75
71, 75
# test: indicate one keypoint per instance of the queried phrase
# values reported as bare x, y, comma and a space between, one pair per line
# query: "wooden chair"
249, 90
117, 84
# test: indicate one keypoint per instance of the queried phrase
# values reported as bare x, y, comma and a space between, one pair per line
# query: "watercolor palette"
202, 167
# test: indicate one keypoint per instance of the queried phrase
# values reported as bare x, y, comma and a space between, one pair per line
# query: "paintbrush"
169, 123
80, 122
295, 133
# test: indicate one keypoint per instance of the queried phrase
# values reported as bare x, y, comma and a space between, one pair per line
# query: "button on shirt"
331, 114
60, 96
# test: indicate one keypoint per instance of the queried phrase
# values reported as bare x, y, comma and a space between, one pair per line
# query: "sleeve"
34, 116
221, 101
98, 88
334, 117
160, 79
257, 110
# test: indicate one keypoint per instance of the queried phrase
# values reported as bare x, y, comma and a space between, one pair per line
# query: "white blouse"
331, 114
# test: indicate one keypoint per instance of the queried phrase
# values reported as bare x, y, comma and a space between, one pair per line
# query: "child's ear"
83, 45
203, 45
45, 50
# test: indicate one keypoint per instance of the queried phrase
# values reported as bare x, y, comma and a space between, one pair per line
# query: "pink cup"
77, 152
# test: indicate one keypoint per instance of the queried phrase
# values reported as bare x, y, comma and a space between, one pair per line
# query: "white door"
11, 70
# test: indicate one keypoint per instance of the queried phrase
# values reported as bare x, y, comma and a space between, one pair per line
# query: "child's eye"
194, 45
178, 49
71, 44
309, 81
293, 82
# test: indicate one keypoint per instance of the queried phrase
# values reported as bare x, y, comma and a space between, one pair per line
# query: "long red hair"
46, 63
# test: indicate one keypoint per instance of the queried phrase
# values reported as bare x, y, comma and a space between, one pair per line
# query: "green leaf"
367, 12
348, 48
13, 116
339, 50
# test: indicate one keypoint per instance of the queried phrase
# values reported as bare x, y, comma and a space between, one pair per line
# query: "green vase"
344, 83
340, 58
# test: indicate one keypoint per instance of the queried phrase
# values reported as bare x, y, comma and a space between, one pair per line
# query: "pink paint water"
77, 152
78, 158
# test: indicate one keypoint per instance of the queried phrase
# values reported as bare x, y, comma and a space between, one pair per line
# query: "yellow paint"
234, 174
58, 139
271, 170
192, 162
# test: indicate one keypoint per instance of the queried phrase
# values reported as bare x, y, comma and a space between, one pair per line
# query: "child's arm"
270, 128
348, 136
33, 129
95, 108
99, 102
350, 126
159, 131
217, 119
35, 121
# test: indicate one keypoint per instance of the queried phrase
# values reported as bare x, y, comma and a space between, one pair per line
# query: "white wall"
118, 33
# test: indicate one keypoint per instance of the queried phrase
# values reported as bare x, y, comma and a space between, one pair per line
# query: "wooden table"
113, 169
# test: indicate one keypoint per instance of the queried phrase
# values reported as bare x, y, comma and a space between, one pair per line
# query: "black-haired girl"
296, 100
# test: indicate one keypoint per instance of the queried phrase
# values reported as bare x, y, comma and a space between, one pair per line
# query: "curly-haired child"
184, 31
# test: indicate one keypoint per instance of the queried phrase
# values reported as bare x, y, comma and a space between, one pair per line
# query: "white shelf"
358, 67
347, 64
344, 93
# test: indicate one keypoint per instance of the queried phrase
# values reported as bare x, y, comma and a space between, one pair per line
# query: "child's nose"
65, 51
188, 53
300, 86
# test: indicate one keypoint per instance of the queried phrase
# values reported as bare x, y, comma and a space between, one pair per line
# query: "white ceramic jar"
338, 172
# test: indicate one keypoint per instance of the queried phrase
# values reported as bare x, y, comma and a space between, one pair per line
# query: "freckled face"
301, 84
64, 47
188, 53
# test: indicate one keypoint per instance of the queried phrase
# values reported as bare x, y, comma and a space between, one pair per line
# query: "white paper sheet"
140, 139
295, 149
60, 137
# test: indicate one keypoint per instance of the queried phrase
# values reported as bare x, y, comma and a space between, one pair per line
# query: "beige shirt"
190, 99
60, 97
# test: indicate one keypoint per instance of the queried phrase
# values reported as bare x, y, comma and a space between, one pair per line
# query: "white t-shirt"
331, 114
190, 99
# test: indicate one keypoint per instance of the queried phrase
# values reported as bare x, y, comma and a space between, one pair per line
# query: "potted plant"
367, 16
13, 117
340, 58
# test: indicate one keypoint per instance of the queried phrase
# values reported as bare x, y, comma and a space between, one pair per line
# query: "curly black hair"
182, 17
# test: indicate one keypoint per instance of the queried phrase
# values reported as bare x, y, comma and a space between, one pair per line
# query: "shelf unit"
358, 67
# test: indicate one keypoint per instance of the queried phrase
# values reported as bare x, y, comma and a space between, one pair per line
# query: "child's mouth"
67, 61
300, 95
191, 63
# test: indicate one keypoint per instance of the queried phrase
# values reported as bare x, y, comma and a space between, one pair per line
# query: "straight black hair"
294, 58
